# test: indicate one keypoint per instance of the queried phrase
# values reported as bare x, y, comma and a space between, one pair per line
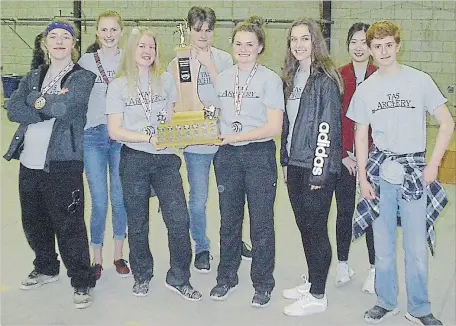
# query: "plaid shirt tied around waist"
412, 189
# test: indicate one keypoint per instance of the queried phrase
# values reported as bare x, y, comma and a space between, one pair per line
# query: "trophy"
192, 123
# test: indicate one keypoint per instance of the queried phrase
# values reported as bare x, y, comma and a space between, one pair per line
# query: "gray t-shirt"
206, 91
96, 114
120, 100
293, 101
395, 107
265, 91
37, 137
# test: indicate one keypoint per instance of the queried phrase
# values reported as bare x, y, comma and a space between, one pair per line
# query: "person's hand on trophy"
153, 140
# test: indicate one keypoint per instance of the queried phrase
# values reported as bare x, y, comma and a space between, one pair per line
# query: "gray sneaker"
261, 299
35, 280
425, 320
141, 289
376, 314
82, 298
186, 291
221, 291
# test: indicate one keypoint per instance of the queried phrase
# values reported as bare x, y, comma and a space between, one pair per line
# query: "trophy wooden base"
188, 128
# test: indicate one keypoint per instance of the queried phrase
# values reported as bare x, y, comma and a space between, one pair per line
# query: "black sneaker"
202, 262
425, 320
261, 299
376, 314
246, 251
82, 298
141, 289
186, 291
220, 291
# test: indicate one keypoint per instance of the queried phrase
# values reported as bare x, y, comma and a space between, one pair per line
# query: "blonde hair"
74, 51
128, 68
108, 14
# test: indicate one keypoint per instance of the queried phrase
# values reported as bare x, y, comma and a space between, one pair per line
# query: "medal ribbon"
239, 93
57, 78
100, 68
147, 110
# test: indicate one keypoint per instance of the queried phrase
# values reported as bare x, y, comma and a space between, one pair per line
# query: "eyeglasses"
76, 195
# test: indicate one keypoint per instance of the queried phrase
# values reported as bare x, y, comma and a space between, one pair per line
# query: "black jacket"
316, 142
65, 149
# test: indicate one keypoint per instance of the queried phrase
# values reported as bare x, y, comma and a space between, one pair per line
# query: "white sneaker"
343, 274
306, 305
298, 291
369, 283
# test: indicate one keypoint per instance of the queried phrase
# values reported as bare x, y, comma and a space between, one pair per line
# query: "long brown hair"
319, 60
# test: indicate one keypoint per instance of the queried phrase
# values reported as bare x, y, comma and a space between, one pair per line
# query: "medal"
149, 130
236, 126
40, 103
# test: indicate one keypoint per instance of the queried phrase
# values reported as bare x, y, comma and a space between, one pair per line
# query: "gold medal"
40, 103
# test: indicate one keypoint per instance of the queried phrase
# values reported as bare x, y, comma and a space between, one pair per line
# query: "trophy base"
189, 128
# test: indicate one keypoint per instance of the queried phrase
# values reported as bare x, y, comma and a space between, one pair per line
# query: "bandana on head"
61, 25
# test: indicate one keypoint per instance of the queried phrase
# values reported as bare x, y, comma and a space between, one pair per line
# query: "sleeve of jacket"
69, 105
328, 147
283, 140
18, 109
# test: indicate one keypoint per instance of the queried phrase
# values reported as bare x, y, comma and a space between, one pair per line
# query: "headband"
61, 25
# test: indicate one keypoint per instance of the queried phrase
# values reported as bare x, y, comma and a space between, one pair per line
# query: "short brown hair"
382, 29
197, 16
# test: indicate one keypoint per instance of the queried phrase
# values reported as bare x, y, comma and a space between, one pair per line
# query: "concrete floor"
114, 304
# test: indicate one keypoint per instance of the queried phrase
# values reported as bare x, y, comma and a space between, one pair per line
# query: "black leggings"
345, 198
311, 210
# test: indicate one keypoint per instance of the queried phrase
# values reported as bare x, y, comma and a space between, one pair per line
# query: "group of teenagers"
360, 123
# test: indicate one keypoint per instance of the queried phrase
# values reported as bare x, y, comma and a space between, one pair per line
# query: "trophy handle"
185, 72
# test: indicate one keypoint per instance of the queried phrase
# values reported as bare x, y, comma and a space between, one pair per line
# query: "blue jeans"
198, 168
413, 220
99, 153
